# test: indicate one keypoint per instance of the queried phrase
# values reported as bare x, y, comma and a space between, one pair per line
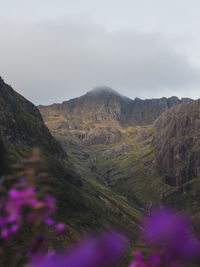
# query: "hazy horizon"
53, 51
64, 100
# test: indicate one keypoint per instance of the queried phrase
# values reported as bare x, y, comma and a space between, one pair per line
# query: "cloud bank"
55, 60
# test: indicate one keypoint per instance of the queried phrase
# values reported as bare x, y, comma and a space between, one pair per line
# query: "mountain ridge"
123, 153
113, 106
108, 138
104, 89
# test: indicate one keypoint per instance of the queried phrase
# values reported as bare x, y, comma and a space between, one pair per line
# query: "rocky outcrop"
104, 105
177, 143
102, 135
144, 112
116, 151
99, 108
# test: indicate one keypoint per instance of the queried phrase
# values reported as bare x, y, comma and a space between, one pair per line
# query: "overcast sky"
54, 50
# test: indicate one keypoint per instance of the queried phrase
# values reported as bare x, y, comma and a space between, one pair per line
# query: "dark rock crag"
102, 106
177, 143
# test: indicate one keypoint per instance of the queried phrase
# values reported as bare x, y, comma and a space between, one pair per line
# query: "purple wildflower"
37, 248
138, 261
60, 228
153, 260
90, 252
49, 209
26, 194
173, 232
49, 221
12, 210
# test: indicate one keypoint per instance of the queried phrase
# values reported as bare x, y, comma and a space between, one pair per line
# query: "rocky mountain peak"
102, 90
104, 105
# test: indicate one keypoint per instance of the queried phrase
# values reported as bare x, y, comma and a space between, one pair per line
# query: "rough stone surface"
77, 119
177, 143
102, 135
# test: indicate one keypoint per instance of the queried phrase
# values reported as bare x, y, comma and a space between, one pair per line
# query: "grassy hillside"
127, 167
83, 204
103, 135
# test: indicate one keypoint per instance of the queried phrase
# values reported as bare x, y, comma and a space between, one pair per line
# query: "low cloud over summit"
54, 60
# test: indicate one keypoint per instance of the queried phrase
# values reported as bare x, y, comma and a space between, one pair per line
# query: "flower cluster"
22, 204
170, 238
139, 261
168, 235
90, 252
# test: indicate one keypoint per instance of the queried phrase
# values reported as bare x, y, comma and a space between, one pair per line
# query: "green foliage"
131, 172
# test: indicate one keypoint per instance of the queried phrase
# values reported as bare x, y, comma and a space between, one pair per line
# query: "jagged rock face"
116, 150
177, 143
95, 107
102, 135
21, 124
108, 138
105, 104
144, 112
102, 106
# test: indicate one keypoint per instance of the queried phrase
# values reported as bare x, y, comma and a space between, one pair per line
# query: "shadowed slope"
82, 204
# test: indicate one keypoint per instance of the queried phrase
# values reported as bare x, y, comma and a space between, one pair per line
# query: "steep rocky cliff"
177, 143
146, 150
105, 104
75, 120
108, 138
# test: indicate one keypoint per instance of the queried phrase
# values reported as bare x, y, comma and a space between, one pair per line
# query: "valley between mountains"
147, 151
108, 158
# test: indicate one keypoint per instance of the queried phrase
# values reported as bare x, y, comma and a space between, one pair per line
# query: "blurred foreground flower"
27, 208
90, 252
12, 207
171, 239
174, 232
153, 260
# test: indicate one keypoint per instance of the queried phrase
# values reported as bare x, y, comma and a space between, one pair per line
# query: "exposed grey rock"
177, 143
116, 150
105, 104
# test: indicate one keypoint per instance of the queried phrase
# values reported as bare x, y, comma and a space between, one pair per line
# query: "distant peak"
99, 90
138, 99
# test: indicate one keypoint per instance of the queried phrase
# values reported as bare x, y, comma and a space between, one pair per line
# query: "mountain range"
110, 158
121, 142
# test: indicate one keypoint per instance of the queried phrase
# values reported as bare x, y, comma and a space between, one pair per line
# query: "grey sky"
53, 50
